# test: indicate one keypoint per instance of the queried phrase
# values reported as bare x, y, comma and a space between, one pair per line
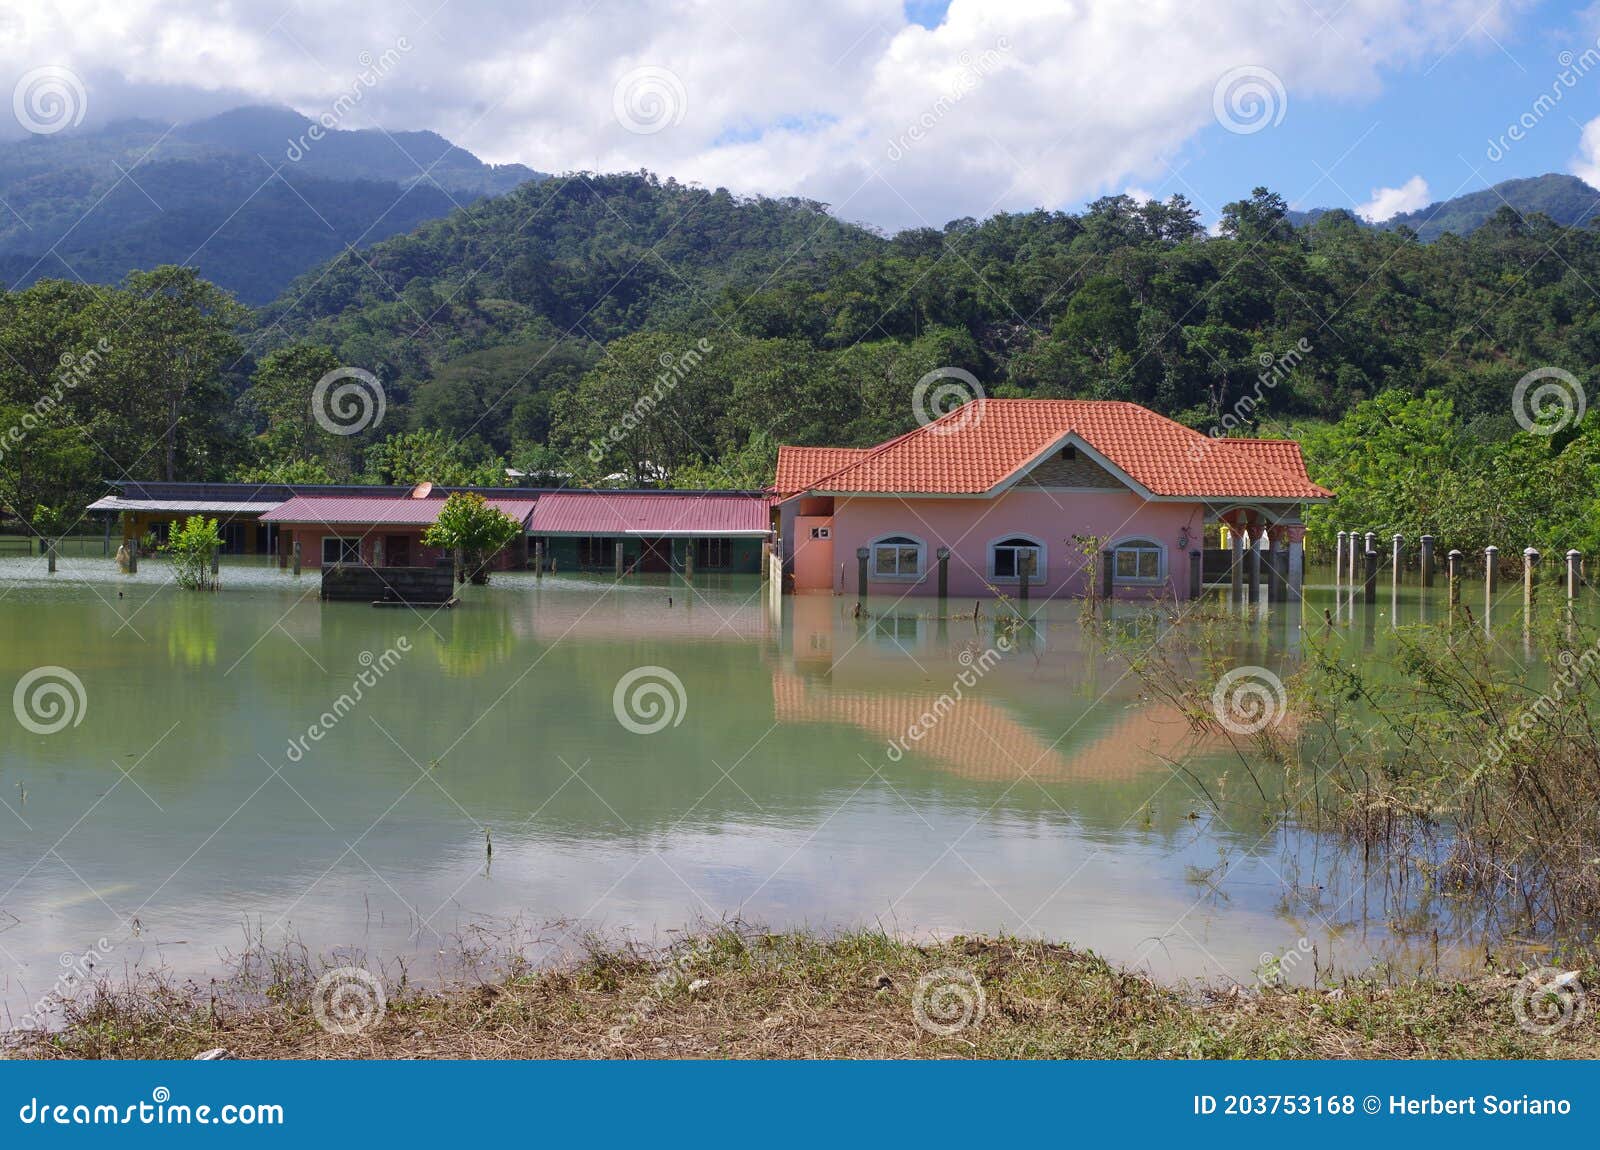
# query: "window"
711, 553
337, 550
1138, 561
896, 557
898, 630
597, 551
1007, 557
1069, 452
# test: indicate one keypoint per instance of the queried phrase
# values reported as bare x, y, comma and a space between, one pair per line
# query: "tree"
175, 335
1264, 216
191, 547
748, 468
651, 406
431, 457
285, 471
476, 531
281, 393
1100, 319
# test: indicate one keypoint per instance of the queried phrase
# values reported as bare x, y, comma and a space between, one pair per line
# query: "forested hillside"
1124, 301
525, 329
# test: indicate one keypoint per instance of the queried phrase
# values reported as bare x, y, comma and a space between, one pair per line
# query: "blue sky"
1434, 117
896, 113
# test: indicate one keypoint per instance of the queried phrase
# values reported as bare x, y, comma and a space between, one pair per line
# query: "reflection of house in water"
981, 738
885, 677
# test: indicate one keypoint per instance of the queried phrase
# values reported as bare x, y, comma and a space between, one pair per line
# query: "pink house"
1062, 491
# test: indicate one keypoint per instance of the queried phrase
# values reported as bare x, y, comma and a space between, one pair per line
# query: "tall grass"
1473, 759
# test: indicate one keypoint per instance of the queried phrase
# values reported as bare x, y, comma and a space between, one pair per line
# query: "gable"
1057, 470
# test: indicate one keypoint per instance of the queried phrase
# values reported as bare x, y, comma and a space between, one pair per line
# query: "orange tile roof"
800, 467
970, 452
1279, 454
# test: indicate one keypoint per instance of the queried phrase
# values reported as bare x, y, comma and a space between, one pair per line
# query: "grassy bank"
729, 994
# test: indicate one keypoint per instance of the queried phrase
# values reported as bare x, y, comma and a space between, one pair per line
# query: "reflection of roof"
196, 506
395, 510
975, 448
800, 467
655, 513
982, 740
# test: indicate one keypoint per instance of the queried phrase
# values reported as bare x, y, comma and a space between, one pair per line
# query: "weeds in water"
1477, 777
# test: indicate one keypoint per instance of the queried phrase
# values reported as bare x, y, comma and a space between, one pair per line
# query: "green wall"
744, 555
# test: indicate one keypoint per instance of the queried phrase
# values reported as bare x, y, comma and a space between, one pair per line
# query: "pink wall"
813, 558
968, 526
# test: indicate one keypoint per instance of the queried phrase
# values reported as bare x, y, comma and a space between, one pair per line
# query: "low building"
652, 531
1068, 492
618, 532
378, 530
149, 510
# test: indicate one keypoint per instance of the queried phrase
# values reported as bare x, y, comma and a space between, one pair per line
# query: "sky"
897, 114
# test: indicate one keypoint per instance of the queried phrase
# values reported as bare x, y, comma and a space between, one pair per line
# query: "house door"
397, 550
656, 557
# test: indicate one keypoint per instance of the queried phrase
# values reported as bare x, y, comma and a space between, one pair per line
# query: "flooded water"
182, 772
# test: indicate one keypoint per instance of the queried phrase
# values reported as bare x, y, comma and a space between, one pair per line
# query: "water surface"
796, 781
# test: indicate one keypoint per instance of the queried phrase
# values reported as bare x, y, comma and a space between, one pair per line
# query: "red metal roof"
650, 513
974, 449
360, 510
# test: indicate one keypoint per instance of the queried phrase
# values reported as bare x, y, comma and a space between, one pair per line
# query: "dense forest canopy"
523, 331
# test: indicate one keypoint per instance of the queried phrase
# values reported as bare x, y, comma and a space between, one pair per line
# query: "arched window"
1008, 557
896, 557
1138, 561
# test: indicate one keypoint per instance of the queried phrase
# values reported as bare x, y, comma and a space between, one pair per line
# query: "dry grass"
737, 994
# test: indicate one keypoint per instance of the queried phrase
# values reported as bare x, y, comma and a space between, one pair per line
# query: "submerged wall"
969, 527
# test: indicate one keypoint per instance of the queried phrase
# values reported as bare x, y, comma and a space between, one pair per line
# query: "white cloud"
1586, 164
1388, 202
1000, 106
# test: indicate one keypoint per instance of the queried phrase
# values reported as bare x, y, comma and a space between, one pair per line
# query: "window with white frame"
1008, 557
339, 550
1138, 561
896, 557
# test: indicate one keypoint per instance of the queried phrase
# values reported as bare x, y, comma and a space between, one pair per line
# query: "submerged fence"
1359, 561
77, 546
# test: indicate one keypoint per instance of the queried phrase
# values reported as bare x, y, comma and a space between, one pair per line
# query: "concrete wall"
969, 526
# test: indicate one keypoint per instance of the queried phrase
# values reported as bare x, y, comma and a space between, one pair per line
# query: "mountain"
596, 256
1565, 199
252, 197
405, 158
548, 316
